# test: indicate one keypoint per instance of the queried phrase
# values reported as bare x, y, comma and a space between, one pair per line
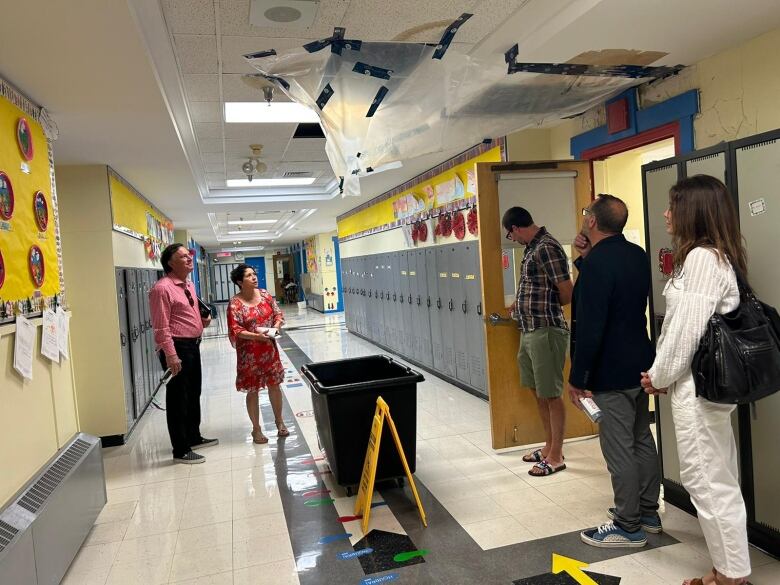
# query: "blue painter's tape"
260, 54
372, 70
355, 553
380, 95
335, 537
377, 580
449, 34
325, 95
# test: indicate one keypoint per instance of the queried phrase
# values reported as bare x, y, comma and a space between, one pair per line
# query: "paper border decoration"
6, 197
35, 260
24, 139
41, 210
2, 269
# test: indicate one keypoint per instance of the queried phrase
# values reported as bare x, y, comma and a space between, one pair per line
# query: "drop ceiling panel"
206, 111
201, 87
234, 49
208, 130
197, 53
234, 20
190, 16
213, 157
379, 20
215, 167
210, 146
241, 147
491, 14
260, 132
234, 89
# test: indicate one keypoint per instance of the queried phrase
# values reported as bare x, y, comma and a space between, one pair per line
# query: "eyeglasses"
509, 235
586, 211
188, 294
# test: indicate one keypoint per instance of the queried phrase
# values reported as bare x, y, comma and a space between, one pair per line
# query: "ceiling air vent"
35, 497
275, 13
296, 174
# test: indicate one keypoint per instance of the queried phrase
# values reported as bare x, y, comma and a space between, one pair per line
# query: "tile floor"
223, 522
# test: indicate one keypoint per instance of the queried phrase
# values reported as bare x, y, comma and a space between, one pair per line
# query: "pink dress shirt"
172, 314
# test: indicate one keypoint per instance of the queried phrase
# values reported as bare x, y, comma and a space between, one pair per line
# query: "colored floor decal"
344, 519
355, 553
567, 571
335, 538
378, 580
409, 555
318, 502
386, 545
316, 493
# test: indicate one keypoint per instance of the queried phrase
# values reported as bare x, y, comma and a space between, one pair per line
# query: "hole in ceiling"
308, 130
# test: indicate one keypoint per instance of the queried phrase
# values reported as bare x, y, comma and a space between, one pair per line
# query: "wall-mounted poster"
37, 267
6, 197
2, 269
24, 138
41, 209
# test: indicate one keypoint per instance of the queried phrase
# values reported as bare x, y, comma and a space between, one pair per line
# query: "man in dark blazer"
611, 348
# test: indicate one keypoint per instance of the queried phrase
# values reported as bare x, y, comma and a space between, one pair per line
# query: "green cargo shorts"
540, 359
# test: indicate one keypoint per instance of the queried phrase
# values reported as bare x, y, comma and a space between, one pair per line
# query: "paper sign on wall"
23, 346
63, 327
49, 341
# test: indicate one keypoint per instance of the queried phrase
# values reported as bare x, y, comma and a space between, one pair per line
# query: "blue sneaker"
610, 536
650, 523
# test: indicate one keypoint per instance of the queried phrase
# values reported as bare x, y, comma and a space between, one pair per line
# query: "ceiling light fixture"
268, 113
270, 182
250, 221
239, 232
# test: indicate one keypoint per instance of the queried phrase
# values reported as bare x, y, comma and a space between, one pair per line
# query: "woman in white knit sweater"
708, 250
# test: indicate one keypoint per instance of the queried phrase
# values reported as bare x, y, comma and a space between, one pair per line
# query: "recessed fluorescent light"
269, 113
250, 221
239, 232
270, 182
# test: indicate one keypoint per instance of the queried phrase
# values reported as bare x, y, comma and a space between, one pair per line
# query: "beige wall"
129, 252
530, 144
88, 259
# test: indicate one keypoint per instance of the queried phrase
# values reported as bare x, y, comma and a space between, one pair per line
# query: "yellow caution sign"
366, 489
573, 567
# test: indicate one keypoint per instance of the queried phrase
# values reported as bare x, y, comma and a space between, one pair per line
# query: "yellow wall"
15, 242
382, 213
621, 175
128, 210
530, 144
324, 276
88, 258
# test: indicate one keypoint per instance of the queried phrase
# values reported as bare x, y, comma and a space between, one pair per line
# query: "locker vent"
758, 144
293, 174
7, 533
655, 170
35, 497
709, 156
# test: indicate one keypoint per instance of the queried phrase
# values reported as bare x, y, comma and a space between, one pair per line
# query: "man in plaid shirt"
544, 287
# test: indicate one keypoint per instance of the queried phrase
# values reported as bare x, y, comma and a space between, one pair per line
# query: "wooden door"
554, 192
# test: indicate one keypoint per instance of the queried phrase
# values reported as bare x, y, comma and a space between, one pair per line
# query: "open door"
553, 192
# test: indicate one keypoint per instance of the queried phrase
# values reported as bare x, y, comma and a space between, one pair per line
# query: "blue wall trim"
681, 108
340, 305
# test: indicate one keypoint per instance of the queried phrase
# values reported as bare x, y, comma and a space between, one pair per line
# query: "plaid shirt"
544, 265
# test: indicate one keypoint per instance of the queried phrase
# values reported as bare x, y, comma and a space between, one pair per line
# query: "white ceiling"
139, 84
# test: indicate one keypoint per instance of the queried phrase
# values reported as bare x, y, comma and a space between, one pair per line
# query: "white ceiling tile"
214, 167
213, 157
235, 89
210, 146
190, 16
205, 111
260, 133
234, 48
379, 20
239, 148
218, 177
197, 53
487, 18
234, 20
202, 88
208, 130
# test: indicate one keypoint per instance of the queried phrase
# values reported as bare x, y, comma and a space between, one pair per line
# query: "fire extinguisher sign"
505, 259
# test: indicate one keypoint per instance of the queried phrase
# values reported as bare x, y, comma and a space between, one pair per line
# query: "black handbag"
738, 358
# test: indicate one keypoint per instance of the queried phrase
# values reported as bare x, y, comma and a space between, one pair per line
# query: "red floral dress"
258, 361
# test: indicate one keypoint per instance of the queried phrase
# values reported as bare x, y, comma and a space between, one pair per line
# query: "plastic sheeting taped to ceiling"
385, 102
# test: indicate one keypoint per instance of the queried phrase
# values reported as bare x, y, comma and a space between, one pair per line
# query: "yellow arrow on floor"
573, 567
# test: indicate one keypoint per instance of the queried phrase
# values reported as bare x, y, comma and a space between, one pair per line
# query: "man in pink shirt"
178, 326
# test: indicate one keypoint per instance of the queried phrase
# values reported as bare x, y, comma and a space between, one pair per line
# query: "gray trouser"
629, 450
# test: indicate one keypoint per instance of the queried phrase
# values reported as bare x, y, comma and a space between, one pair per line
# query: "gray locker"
134, 326
146, 318
391, 301
378, 305
385, 296
423, 320
124, 343
375, 323
457, 264
436, 306
475, 324
405, 300
757, 175
448, 306
415, 301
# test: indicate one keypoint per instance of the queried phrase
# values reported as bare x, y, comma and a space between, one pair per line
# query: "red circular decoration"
459, 225
437, 228
414, 232
446, 227
36, 265
2, 269
472, 222
41, 211
6, 197
24, 139
422, 232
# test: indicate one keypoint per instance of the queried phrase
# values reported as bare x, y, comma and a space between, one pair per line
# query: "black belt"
187, 341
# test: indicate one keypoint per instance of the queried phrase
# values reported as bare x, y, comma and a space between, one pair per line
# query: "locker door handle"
429, 302
401, 299
376, 294
382, 295
463, 306
123, 339
418, 300
135, 333
369, 294
394, 297
410, 299
438, 303
479, 308
451, 305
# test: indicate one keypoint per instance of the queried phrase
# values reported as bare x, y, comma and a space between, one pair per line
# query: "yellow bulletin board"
19, 233
129, 209
382, 212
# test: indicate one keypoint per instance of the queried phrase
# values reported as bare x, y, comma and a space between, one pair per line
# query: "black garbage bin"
344, 394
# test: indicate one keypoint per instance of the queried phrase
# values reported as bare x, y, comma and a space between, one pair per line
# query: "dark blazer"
610, 344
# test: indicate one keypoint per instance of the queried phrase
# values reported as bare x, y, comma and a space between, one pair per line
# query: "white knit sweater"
704, 286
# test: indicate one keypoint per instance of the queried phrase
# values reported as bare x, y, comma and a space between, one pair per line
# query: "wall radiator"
45, 524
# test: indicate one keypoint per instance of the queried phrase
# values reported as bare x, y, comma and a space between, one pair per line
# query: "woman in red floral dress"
250, 314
